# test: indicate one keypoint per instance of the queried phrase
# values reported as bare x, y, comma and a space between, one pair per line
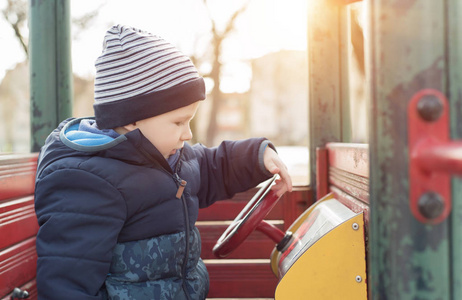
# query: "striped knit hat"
140, 75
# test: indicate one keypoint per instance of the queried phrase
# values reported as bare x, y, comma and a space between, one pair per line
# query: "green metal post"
50, 65
328, 101
408, 52
454, 40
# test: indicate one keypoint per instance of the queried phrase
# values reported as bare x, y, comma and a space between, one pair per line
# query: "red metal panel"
17, 175
353, 184
321, 173
17, 265
295, 203
17, 221
426, 139
349, 175
241, 280
352, 158
352, 203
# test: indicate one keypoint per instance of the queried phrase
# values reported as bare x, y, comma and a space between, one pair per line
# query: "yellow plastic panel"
275, 255
329, 269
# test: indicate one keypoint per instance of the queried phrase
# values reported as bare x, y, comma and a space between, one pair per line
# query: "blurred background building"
252, 54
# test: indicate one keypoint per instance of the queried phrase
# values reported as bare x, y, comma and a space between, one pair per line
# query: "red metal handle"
433, 157
445, 157
271, 231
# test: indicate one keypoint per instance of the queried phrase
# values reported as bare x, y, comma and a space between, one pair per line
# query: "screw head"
355, 226
358, 279
431, 205
430, 108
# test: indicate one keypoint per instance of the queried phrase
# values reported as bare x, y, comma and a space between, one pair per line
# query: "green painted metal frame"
50, 65
454, 93
411, 47
328, 86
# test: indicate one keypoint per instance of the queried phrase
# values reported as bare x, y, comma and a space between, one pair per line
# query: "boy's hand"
275, 166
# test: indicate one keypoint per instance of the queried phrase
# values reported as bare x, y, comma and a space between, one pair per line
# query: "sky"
266, 26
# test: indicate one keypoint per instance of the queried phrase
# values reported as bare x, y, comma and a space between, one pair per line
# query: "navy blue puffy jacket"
111, 225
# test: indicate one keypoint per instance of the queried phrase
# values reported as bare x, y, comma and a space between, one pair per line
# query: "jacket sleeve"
230, 168
80, 216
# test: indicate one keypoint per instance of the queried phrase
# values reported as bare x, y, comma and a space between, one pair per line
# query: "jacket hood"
68, 141
84, 135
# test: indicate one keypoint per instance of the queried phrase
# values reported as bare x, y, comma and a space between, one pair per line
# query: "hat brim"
119, 113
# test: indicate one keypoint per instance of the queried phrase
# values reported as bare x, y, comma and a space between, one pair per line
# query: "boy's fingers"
284, 174
280, 188
274, 169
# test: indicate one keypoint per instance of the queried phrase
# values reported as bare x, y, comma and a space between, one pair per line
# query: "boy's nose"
187, 134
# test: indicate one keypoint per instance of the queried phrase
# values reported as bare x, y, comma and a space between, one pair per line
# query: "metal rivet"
430, 108
431, 205
355, 226
358, 279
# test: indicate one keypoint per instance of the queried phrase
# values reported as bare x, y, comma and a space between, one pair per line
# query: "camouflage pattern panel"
152, 269
197, 277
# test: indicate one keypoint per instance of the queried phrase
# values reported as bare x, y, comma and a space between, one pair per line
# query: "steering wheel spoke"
248, 220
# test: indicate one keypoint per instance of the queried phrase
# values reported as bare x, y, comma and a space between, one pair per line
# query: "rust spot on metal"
401, 7
36, 112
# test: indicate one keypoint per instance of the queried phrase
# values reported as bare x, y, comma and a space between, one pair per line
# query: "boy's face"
169, 131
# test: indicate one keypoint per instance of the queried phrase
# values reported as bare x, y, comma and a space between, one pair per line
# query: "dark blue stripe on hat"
119, 76
148, 75
115, 53
135, 60
174, 78
119, 113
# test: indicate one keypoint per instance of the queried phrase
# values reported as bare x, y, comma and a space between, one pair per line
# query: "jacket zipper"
179, 194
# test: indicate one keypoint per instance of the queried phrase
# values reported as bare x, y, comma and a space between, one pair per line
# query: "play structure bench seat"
18, 225
245, 274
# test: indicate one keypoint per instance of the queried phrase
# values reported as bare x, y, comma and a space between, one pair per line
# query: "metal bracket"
433, 157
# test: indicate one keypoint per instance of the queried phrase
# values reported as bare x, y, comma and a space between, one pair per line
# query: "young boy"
117, 196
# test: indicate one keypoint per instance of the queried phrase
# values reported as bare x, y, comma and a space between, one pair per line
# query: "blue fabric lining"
87, 133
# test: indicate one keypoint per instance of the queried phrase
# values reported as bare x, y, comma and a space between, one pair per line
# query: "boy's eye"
179, 123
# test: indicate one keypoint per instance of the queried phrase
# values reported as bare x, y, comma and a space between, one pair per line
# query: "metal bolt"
355, 226
19, 294
431, 205
358, 279
430, 108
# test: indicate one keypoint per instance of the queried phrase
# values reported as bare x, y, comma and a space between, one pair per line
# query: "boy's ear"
131, 126
126, 128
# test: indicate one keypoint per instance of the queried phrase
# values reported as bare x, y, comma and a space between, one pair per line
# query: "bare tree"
14, 90
215, 74
15, 13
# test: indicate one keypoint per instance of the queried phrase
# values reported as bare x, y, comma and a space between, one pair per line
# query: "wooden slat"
17, 175
250, 279
17, 221
18, 265
257, 245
